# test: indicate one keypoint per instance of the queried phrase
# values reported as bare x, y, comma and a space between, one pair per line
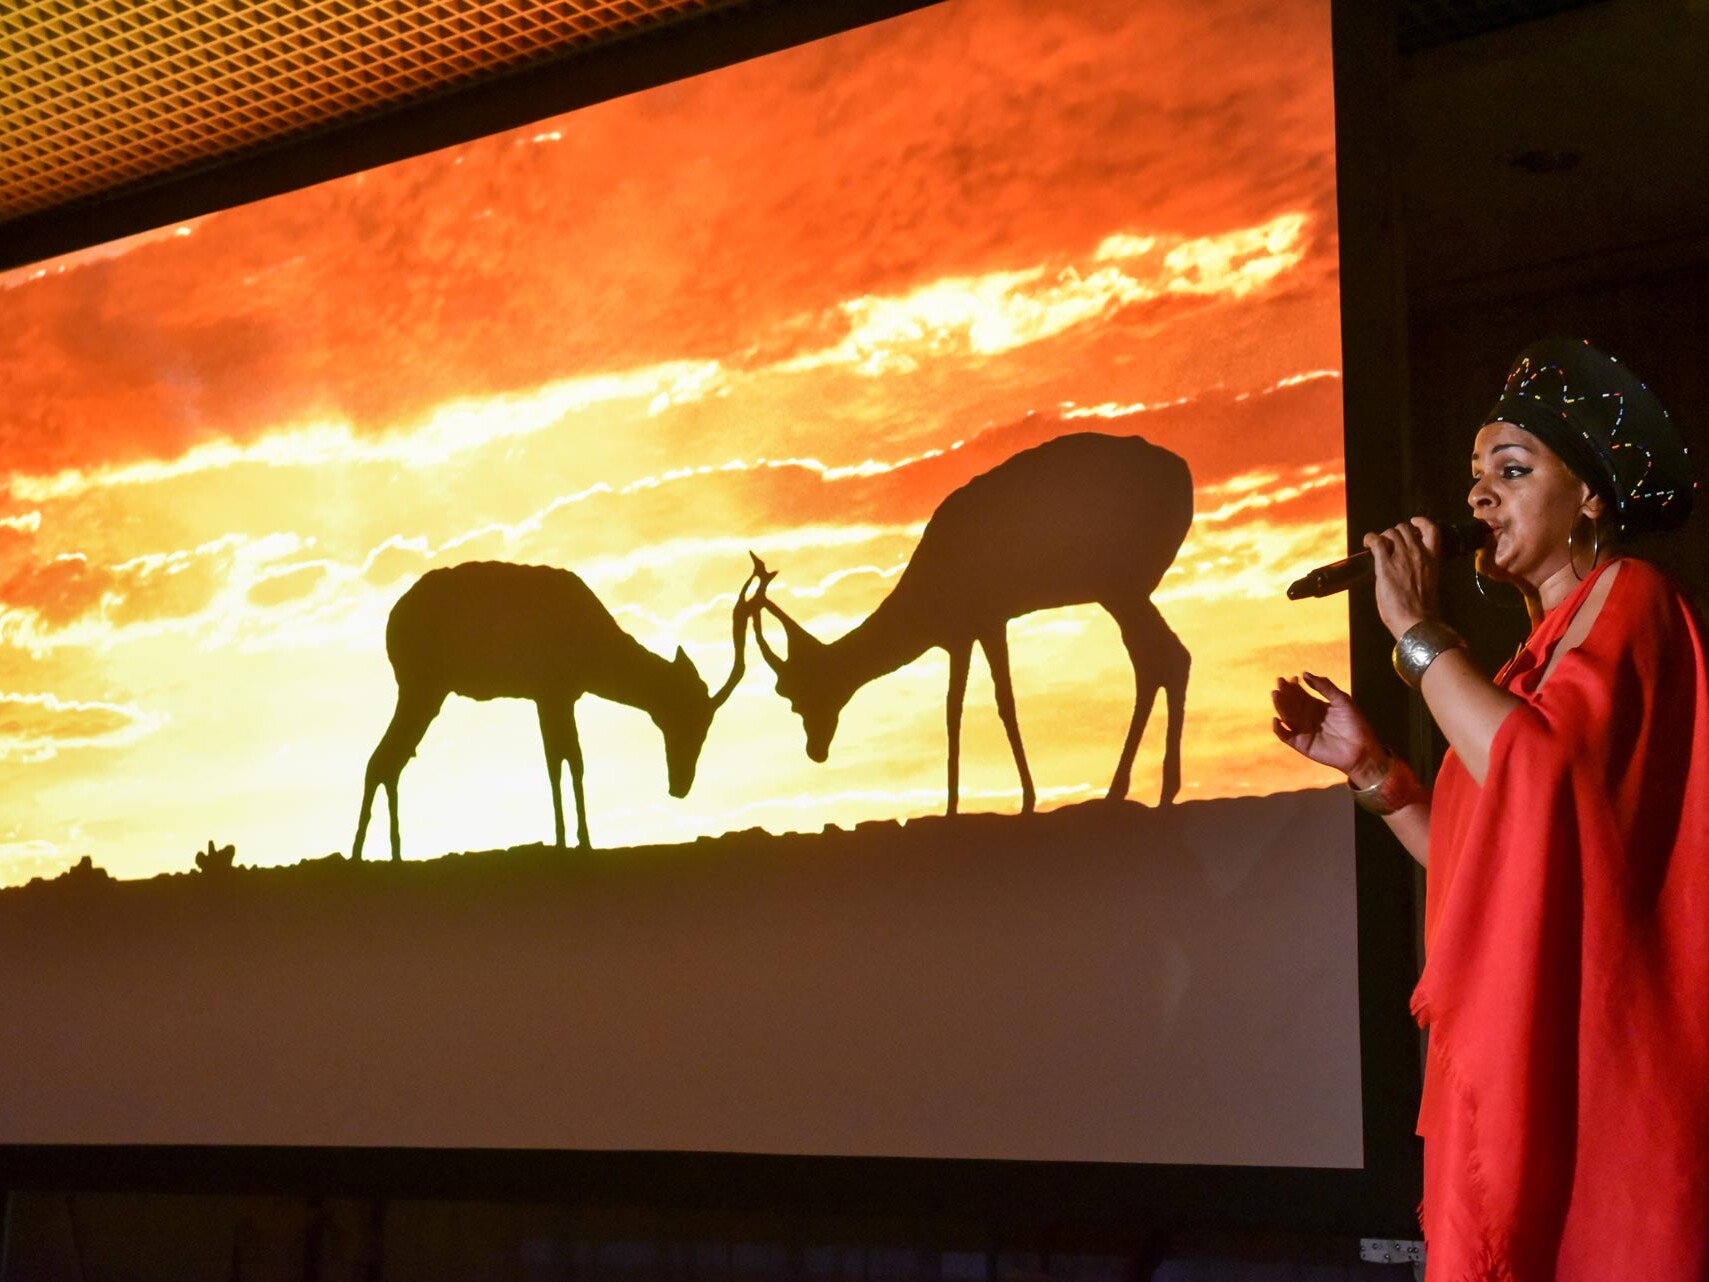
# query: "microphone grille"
1461, 538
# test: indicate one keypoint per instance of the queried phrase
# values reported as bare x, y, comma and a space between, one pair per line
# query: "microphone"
1459, 539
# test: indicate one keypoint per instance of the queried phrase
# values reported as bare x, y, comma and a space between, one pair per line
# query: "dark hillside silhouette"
492, 630
1079, 519
854, 992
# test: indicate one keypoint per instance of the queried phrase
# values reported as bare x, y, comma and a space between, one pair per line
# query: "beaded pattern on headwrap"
1635, 459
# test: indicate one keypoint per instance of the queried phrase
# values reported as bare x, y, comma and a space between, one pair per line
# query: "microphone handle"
1459, 539
1335, 577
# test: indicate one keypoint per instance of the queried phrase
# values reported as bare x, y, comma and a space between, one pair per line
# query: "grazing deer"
1081, 518
492, 630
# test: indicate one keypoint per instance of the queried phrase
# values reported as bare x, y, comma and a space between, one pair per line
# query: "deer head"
803, 675
686, 719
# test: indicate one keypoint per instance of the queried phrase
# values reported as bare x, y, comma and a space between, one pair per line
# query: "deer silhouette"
1082, 518
492, 630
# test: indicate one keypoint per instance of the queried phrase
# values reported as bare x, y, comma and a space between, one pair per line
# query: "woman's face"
1522, 491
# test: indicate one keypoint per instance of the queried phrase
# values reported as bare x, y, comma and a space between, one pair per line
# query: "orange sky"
786, 306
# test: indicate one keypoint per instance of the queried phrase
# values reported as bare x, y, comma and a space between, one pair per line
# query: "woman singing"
1566, 978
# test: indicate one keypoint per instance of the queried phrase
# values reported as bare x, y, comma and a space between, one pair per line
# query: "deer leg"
573, 753
959, 657
1177, 667
368, 786
558, 735
553, 742
1160, 661
996, 647
1139, 637
409, 723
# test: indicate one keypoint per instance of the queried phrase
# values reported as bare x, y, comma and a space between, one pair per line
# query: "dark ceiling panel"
100, 95
1424, 24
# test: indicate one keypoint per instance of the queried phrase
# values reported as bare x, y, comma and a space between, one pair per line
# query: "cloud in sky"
38, 727
72, 601
447, 430
998, 312
499, 265
987, 315
633, 528
59, 590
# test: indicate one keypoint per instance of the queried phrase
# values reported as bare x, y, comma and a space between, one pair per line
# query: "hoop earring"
1480, 580
1595, 546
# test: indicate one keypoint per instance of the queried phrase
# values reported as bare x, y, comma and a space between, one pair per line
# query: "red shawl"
1566, 982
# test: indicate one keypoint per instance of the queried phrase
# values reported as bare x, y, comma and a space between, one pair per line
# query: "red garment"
1566, 982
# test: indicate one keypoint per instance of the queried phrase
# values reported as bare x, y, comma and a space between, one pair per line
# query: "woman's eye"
1511, 472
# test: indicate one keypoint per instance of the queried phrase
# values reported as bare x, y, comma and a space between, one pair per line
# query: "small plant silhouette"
214, 860
84, 872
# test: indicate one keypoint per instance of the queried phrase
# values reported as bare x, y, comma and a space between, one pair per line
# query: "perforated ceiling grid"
97, 94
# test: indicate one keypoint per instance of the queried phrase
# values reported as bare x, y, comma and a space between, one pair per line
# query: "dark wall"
1550, 181
1651, 313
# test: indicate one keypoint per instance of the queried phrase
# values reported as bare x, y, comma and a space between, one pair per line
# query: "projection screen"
1003, 335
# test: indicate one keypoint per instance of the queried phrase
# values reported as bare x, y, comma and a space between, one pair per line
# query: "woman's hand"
1330, 731
1408, 560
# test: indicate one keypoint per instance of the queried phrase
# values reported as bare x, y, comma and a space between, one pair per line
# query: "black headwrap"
1606, 426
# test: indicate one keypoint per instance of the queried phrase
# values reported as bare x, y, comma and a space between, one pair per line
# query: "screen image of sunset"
788, 307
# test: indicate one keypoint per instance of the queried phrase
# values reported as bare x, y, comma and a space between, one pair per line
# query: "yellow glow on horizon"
1238, 262
1001, 311
986, 315
451, 429
1271, 496
1113, 410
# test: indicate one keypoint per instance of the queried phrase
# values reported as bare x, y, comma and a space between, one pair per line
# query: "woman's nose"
1480, 496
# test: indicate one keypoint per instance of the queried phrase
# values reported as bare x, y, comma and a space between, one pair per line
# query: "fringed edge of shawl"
1491, 1262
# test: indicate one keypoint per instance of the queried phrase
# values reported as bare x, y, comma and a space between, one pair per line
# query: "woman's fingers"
1324, 686
1296, 709
1420, 533
1429, 534
1405, 559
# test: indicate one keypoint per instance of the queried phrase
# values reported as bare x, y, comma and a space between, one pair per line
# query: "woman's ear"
1593, 506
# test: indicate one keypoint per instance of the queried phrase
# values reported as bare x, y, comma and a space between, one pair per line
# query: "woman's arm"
1411, 828
1470, 708
1409, 824
1330, 730
1467, 706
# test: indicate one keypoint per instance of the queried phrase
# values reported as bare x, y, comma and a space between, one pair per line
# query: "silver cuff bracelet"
1420, 646
1396, 790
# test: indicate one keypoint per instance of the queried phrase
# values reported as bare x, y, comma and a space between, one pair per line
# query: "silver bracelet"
1396, 790
1420, 646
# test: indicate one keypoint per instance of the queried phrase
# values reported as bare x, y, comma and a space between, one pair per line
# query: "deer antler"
764, 575
793, 630
738, 629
